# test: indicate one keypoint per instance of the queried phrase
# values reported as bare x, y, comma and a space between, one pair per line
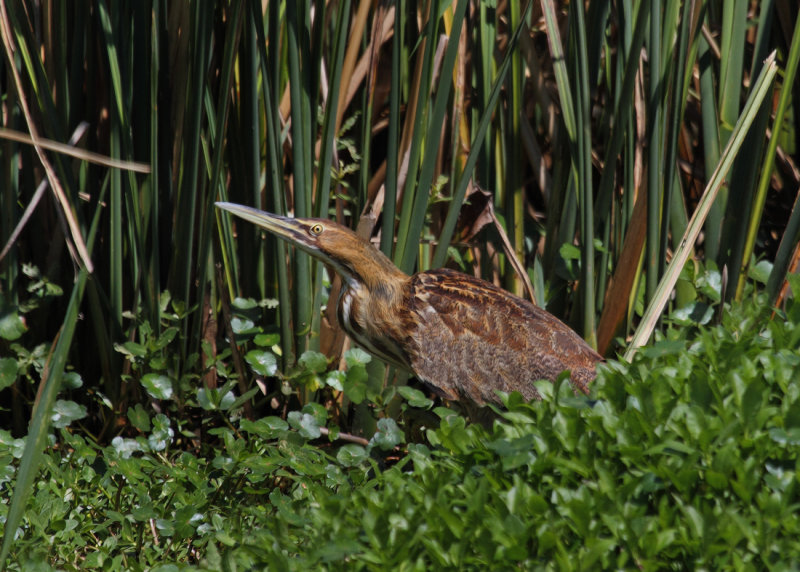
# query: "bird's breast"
371, 323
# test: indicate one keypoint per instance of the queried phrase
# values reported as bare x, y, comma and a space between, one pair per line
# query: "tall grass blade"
709, 121
331, 108
655, 137
621, 124
761, 89
217, 130
672, 219
514, 191
432, 139
744, 178
76, 245
189, 183
782, 258
40, 419
460, 190
49, 387
584, 172
393, 144
270, 80
560, 68
302, 147
406, 238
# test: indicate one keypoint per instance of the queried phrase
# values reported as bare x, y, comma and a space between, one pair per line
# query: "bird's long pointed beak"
288, 228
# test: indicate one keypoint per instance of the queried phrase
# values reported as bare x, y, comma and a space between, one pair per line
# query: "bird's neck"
374, 275
368, 311
385, 281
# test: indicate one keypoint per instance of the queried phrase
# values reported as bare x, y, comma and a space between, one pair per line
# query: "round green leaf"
227, 400
414, 397
317, 410
267, 340
355, 384
205, 400
351, 455
8, 372
761, 271
14, 446
263, 362
12, 325
389, 434
241, 325
306, 425
244, 303
65, 412
162, 433
268, 427
356, 356
157, 385
125, 447
72, 380
335, 379
313, 361
139, 418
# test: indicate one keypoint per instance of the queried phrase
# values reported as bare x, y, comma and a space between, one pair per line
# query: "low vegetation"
686, 458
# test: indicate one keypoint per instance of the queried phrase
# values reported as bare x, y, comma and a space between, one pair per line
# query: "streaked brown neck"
372, 270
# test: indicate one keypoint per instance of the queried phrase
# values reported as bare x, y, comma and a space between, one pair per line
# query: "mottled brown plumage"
463, 336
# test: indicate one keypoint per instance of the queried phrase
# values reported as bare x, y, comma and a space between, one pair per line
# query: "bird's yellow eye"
316, 229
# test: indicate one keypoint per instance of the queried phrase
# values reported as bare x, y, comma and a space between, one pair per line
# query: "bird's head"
355, 259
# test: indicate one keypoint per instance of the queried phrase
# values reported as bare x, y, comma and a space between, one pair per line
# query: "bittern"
462, 336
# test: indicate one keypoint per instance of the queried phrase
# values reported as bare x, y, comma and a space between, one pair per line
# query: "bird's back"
470, 338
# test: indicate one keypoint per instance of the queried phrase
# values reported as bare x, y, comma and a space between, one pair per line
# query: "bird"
463, 337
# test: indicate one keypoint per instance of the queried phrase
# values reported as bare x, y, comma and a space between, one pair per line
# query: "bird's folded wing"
471, 339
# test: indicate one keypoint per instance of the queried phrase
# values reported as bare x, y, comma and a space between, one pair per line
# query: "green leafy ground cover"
685, 459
